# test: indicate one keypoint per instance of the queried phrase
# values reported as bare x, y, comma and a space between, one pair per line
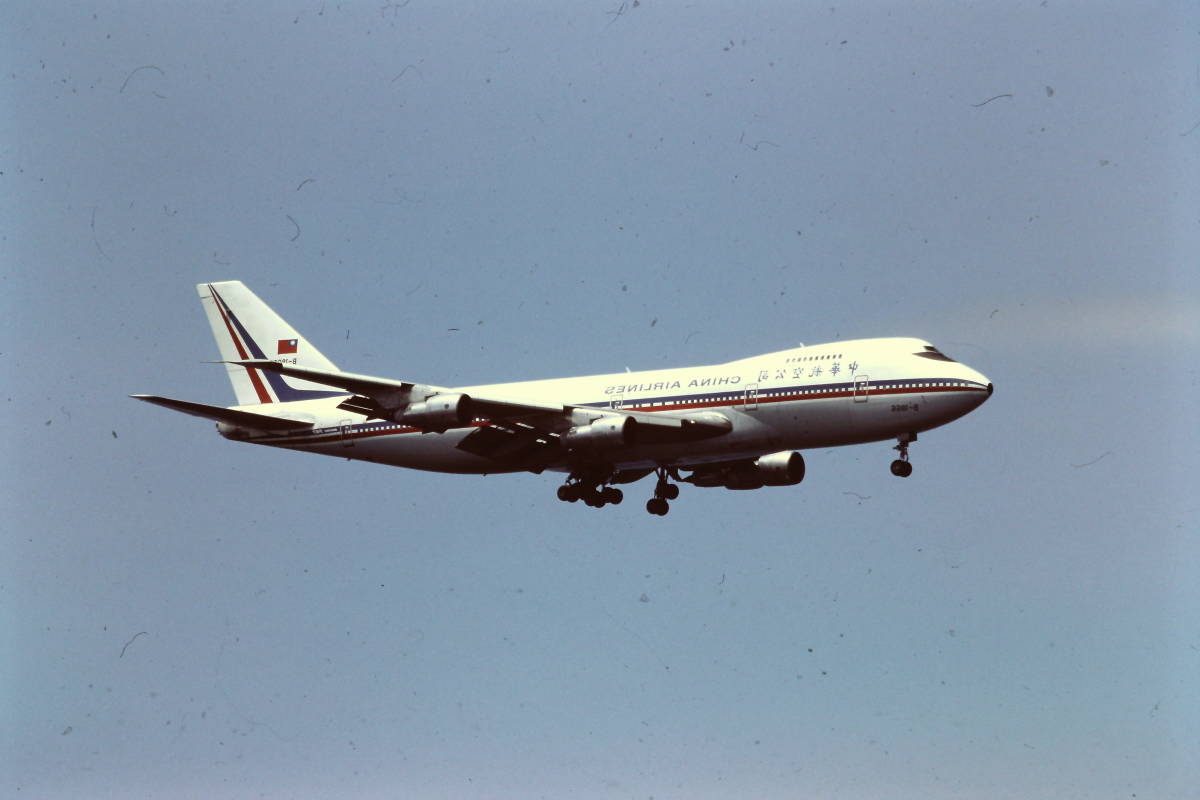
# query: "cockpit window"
934, 354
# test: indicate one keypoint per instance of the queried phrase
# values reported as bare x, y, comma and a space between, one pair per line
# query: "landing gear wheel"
657, 506
664, 489
612, 495
568, 492
900, 467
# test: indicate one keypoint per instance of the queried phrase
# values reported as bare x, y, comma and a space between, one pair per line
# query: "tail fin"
247, 328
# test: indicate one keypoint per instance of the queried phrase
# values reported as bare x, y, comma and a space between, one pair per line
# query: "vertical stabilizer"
246, 328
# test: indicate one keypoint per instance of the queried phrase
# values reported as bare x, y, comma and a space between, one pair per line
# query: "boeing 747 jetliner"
739, 425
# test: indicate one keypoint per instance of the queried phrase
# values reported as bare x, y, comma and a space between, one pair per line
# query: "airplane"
738, 425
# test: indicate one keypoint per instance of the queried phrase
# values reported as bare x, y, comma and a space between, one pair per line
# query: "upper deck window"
934, 354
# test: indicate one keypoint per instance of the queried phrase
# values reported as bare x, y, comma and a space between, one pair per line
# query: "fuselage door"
751, 398
862, 388
346, 430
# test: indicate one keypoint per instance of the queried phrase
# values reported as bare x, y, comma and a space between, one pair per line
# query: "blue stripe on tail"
283, 391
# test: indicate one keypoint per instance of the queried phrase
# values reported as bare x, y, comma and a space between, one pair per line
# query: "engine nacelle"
780, 469
605, 433
785, 468
438, 413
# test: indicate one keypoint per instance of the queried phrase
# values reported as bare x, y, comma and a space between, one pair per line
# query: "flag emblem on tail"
287, 346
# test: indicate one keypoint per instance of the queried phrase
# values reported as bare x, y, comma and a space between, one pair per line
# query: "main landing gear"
663, 491
594, 491
901, 468
592, 494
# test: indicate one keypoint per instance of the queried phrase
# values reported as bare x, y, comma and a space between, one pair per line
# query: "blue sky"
471, 193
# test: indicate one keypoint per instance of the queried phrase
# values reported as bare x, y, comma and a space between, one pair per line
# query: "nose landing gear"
901, 468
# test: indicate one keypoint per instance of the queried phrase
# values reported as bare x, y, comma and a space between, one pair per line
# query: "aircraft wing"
390, 394
384, 398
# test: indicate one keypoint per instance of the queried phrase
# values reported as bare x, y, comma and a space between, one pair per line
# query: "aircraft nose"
980, 378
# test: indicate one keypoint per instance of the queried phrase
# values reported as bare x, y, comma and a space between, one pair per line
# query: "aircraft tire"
901, 469
657, 506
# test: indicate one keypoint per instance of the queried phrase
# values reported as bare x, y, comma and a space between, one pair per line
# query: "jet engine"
785, 468
438, 413
781, 469
605, 433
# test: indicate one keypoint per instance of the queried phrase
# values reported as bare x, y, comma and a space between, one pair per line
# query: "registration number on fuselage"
906, 406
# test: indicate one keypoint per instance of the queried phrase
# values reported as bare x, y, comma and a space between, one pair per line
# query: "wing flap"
507, 409
504, 443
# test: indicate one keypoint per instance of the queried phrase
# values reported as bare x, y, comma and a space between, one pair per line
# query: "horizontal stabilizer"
242, 419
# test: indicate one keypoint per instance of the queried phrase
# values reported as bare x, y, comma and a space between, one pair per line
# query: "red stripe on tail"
255, 378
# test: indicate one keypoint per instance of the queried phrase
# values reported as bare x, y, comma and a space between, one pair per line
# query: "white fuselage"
824, 395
